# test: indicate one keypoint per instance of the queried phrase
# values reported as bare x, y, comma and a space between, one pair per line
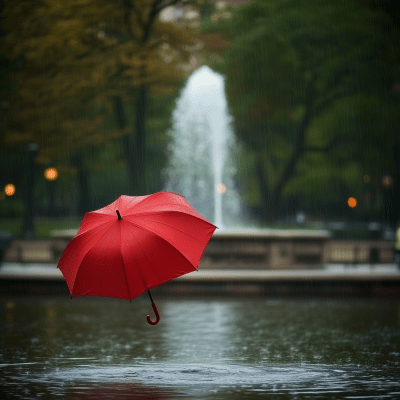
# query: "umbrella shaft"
152, 302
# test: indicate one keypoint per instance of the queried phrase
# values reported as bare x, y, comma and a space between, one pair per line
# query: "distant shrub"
11, 208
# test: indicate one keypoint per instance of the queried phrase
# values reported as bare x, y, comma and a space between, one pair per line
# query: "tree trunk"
84, 203
137, 163
135, 143
395, 217
136, 148
299, 150
267, 208
127, 141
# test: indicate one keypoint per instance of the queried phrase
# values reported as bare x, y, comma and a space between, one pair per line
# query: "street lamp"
51, 174
352, 202
389, 205
9, 189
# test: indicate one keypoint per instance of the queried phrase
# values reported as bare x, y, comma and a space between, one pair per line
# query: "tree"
302, 84
160, 49
86, 74
73, 59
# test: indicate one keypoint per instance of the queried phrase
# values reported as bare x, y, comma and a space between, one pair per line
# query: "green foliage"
11, 208
311, 89
43, 226
67, 62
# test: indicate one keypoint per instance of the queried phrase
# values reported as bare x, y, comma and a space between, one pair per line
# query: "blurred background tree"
313, 89
92, 83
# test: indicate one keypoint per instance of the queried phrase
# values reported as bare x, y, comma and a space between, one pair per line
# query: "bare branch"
332, 145
130, 6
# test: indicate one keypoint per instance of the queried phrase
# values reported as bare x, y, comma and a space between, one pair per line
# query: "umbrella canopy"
134, 244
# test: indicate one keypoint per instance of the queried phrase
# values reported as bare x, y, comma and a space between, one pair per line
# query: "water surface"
201, 349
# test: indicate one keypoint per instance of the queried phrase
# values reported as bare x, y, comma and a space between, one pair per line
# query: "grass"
42, 226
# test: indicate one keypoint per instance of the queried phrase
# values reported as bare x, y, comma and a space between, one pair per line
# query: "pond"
203, 348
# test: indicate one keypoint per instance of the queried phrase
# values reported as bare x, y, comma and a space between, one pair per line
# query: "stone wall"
268, 249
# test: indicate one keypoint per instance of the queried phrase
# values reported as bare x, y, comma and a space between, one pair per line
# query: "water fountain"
202, 147
202, 167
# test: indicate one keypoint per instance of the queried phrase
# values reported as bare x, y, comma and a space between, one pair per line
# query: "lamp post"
396, 186
28, 227
51, 174
387, 195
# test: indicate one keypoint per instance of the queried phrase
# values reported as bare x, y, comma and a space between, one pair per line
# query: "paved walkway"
329, 272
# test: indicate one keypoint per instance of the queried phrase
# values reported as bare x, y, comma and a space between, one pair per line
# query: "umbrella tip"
119, 215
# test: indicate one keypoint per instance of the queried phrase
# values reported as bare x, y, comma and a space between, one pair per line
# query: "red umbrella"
133, 245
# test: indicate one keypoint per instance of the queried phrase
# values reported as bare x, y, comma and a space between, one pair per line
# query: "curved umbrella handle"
157, 320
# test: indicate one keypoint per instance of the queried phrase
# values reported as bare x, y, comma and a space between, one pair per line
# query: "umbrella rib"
86, 240
102, 271
102, 214
91, 229
151, 197
166, 241
148, 258
138, 214
88, 252
139, 202
123, 262
170, 226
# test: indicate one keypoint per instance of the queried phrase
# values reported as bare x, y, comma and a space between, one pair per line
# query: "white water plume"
203, 151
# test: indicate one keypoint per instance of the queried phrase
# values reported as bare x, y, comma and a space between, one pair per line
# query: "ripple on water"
187, 379
191, 374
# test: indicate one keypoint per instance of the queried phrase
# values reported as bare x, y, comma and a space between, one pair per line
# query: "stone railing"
246, 249
35, 251
266, 249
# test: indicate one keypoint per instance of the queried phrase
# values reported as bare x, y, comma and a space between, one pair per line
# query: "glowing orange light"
51, 174
387, 181
221, 188
352, 202
9, 189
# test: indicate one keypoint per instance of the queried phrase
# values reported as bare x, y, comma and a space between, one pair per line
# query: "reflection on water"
208, 349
